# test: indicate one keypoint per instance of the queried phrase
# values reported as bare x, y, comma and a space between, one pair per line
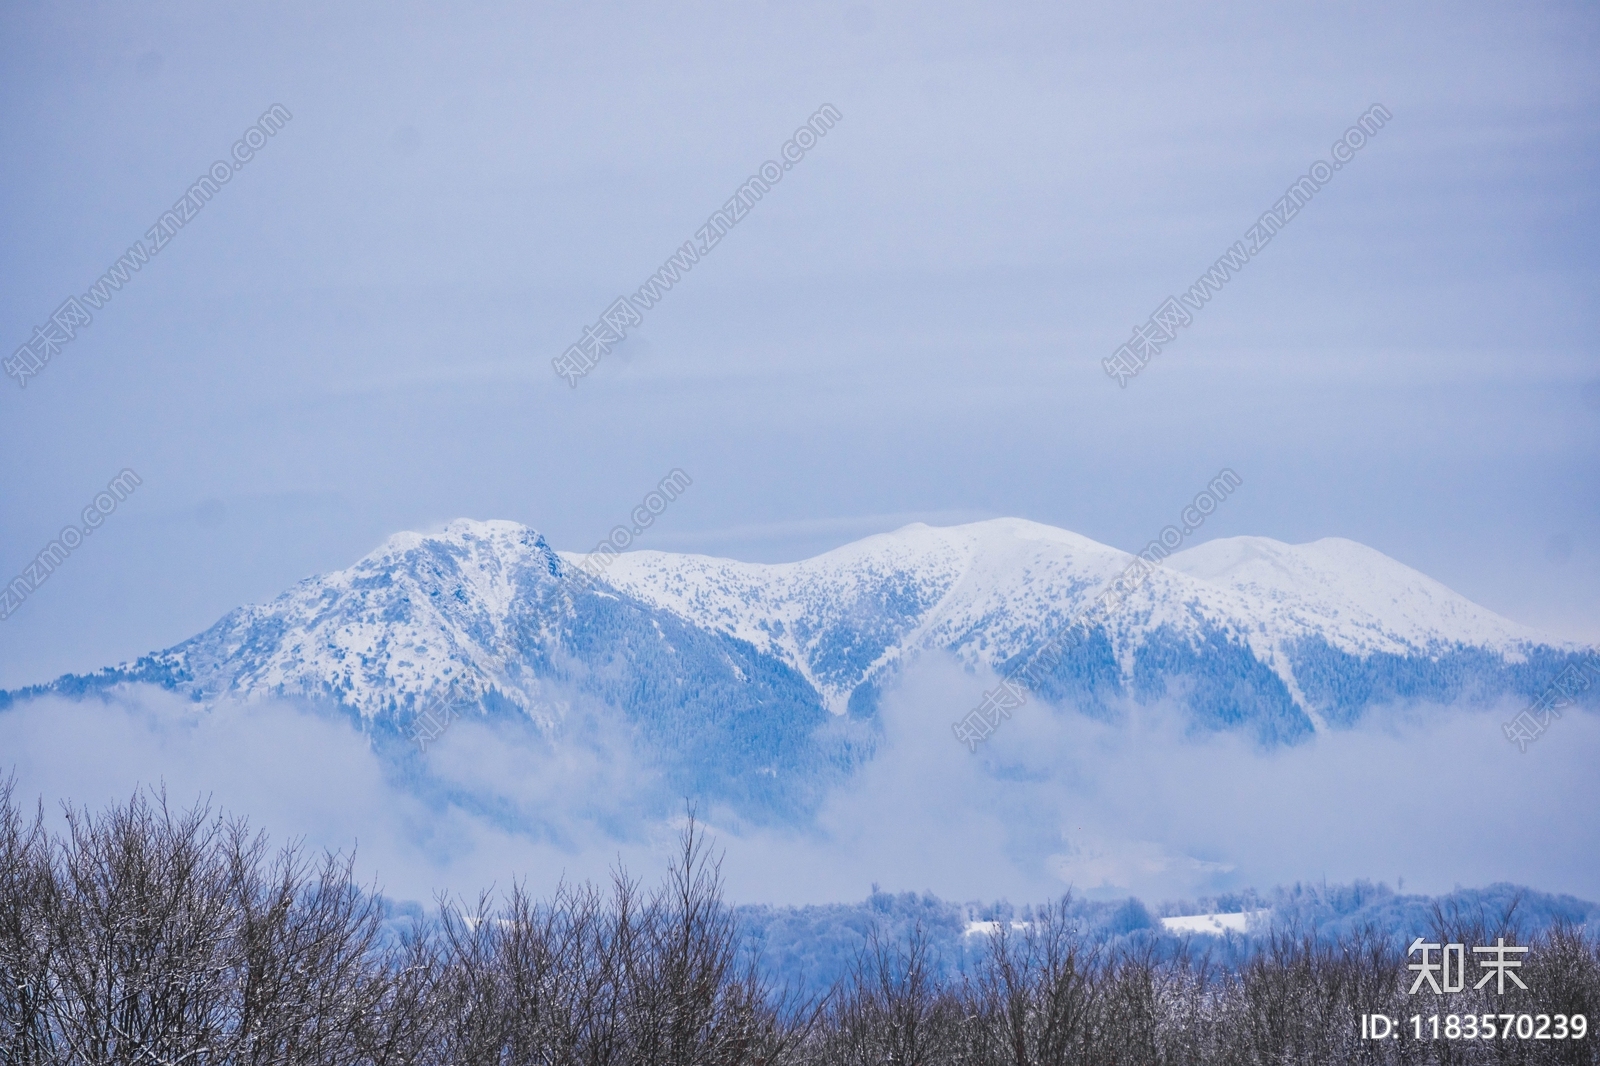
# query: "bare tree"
147, 937
26, 1036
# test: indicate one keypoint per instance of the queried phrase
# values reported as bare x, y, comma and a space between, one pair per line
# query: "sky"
354, 335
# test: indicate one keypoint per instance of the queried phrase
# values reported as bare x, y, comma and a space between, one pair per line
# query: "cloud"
491, 804
1054, 799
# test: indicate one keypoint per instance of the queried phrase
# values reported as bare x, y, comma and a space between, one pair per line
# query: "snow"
986, 590
991, 928
383, 630
990, 590
1361, 599
428, 610
1202, 924
1212, 924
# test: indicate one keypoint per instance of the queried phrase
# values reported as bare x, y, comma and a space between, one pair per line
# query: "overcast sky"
354, 335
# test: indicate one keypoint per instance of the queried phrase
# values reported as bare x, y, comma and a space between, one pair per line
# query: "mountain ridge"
994, 622
748, 673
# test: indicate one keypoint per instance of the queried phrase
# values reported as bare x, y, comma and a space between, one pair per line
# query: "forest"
145, 935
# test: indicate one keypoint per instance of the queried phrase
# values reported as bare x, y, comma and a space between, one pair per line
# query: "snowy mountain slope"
727, 670
985, 590
484, 616
418, 615
1248, 611
1359, 599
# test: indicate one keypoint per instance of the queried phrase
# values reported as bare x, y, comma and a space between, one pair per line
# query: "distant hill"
810, 947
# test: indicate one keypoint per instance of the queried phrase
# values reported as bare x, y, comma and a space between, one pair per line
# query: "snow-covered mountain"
1263, 622
731, 669
484, 618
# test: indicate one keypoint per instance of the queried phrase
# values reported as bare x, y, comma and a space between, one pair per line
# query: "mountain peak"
1242, 631
461, 529
1373, 601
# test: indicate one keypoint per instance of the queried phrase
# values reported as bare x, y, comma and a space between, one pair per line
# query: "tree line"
144, 936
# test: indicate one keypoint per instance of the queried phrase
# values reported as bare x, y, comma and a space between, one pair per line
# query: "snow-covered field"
1214, 924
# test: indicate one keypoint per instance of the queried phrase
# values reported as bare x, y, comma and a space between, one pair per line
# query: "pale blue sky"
354, 336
